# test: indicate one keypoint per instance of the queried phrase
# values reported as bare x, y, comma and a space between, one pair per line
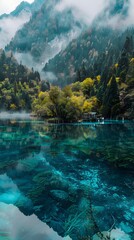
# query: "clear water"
66, 177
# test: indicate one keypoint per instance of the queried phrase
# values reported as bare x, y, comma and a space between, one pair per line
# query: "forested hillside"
89, 54
110, 98
48, 31
67, 120
96, 66
104, 83
12, 22
18, 84
24, 6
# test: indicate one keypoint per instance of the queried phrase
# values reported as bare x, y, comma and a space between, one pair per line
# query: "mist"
10, 25
15, 115
50, 51
12, 4
87, 10
117, 19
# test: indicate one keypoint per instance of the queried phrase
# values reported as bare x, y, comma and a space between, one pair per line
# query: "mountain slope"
11, 23
23, 6
18, 84
48, 31
95, 49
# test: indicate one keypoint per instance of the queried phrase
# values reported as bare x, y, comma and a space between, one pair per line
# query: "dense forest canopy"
18, 84
110, 94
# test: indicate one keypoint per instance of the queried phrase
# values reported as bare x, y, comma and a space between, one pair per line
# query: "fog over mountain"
10, 25
11, 22
49, 31
12, 4
56, 24
67, 117
115, 13
86, 9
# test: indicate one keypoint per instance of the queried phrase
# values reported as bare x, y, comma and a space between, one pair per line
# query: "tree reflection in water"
70, 173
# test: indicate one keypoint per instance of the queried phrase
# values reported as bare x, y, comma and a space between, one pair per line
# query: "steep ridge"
96, 48
23, 6
11, 23
47, 33
93, 51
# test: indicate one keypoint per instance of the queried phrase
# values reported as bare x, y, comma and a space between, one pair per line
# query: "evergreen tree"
103, 84
123, 66
127, 45
83, 72
111, 98
78, 76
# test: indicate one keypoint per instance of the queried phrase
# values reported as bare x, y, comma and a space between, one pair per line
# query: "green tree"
54, 95
111, 98
86, 86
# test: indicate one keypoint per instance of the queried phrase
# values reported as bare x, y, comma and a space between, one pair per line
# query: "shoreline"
7, 115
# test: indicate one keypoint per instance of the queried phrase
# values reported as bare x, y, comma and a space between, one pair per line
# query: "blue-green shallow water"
68, 175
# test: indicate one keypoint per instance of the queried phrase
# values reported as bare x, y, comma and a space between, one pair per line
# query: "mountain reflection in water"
15, 225
60, 173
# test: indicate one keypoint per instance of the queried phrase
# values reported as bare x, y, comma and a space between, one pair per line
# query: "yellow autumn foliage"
43, 95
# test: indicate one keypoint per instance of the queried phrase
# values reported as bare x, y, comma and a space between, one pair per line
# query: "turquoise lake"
76, 179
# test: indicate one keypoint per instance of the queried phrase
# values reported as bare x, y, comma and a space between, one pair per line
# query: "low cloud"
86, 9
16, 115
117, 14
89, 10
50, 51
12, 4
10, 25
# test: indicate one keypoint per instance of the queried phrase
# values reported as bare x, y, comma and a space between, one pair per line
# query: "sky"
10, 6
91, 7
88, 9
